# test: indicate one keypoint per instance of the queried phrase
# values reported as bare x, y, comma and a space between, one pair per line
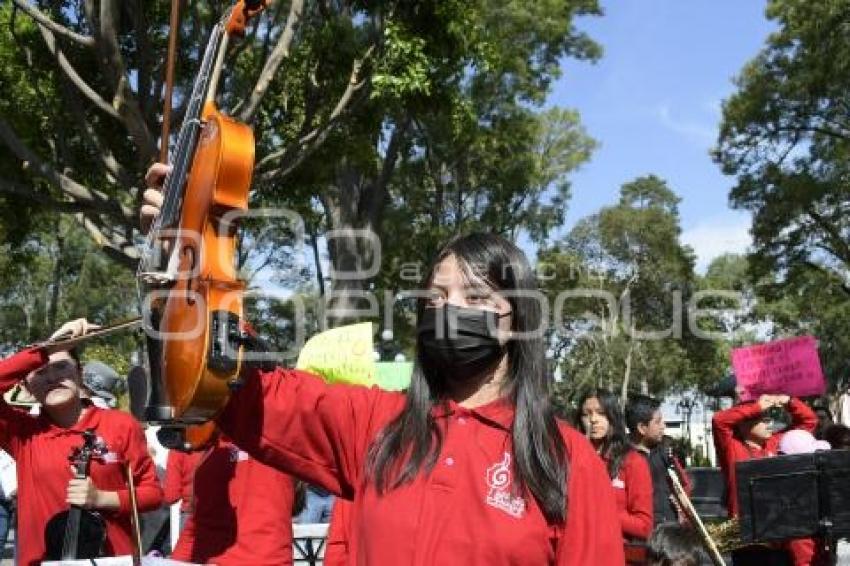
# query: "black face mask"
458, 343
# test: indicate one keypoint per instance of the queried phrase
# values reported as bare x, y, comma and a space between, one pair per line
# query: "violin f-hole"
189, 251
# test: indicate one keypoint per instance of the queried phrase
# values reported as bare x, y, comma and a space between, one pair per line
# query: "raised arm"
12, 370
16, 367
802, 416
295, 422
724, 422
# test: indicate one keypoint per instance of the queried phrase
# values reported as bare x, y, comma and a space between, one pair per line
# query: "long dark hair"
616, 445
413, 440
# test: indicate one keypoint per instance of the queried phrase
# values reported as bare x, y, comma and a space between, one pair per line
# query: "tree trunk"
624, 393
53, 307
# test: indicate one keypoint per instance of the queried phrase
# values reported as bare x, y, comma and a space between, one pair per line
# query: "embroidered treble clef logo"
499, 474
499, 495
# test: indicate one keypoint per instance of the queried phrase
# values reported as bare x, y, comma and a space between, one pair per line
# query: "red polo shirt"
242, 512
633, 490
179, 475
41, 451
463, 512
731, 449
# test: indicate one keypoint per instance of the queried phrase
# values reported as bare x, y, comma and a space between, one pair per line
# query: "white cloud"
701, 133
714, 237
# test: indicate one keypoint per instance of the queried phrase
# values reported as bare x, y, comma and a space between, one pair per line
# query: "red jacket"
242, 512
633, 491
463, 512
179, 475
731, 449
41, 451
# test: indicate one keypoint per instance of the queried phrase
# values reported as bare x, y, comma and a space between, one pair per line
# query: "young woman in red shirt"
470, 466
41, 445
601, 419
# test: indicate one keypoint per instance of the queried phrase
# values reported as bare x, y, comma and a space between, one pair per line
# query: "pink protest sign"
790, 367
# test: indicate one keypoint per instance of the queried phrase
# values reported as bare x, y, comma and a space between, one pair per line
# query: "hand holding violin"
152, 197
83, 493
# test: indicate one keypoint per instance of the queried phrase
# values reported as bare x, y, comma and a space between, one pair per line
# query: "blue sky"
653, 104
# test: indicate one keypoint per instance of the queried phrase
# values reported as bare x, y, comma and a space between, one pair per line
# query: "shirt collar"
499, 412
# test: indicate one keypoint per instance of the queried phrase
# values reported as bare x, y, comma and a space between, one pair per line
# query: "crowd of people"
470, 465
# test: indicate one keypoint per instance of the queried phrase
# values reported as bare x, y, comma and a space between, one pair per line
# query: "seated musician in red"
241, 511
471, 466
601, 419
742, 433
42, 444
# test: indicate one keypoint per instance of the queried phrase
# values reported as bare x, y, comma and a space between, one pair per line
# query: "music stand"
799, 496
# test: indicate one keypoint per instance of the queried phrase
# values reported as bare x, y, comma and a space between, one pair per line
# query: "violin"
190, 294
78, 532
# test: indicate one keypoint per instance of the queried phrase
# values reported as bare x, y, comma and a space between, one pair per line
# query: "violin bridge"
163, 278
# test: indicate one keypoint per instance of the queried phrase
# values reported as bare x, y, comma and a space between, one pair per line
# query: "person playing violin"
41, 445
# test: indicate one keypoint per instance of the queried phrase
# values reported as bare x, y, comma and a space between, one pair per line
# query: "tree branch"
839, 246
295, 154
12, 188
375, 198
124, 101
72, 75
46, 21
116, 247
843, 282
110, 164
31, 161
280, 52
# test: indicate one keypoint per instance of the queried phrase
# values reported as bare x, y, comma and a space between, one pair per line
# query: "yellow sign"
341, 355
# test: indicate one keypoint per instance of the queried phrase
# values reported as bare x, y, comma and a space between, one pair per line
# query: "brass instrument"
683, 502
727, 534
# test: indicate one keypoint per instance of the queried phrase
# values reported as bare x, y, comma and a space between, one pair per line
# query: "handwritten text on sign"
787, 366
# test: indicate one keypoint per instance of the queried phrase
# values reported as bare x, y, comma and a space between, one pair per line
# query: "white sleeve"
8, 476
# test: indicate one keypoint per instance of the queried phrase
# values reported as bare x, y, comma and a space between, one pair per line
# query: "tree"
798, 302
628, 281
85, 81
455, 141
56, 275
785, 135
339, 95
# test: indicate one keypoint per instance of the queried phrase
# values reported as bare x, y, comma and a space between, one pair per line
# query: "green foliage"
416, 120
403, 70
786, 137
59, 276
628, 280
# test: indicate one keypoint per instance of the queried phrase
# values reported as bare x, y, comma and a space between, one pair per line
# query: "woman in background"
601, 420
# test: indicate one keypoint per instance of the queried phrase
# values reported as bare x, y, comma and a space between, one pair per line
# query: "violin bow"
169, 79
134, 517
